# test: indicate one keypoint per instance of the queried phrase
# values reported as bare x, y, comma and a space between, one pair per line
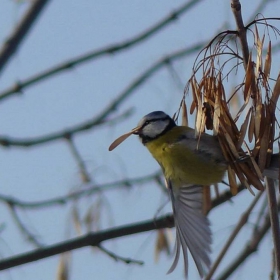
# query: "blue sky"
67, 29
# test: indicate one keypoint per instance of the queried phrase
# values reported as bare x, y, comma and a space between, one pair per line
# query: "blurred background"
85, 73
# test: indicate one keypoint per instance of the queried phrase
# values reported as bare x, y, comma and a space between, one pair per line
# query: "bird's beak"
136, 130
120, 139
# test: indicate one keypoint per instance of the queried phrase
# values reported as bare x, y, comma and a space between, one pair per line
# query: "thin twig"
119, 258
29, 236
82, 167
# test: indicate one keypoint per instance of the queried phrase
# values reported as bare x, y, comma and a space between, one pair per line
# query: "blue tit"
188, 164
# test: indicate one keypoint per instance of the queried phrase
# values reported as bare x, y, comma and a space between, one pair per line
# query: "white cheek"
154, 129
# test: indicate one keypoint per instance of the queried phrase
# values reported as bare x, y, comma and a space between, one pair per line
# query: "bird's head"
149, 128
153, 126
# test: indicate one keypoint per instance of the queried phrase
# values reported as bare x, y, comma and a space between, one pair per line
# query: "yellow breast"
182, 162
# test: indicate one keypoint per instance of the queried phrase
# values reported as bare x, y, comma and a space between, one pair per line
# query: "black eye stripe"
154, 120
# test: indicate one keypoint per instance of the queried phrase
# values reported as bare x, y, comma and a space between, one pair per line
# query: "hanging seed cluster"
246, 134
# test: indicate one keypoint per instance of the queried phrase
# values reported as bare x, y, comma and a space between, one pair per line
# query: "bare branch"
112, 107
65, 134
21, 30
242, 32
251, 247
87, 190
94, 239
91, 239
242, 221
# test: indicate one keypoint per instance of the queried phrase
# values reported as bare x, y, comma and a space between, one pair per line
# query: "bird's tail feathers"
192, 227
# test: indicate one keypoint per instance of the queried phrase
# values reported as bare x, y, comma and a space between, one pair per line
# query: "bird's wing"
192, 227
205, 146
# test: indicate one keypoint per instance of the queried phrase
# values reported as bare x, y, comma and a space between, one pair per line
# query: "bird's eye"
146, 122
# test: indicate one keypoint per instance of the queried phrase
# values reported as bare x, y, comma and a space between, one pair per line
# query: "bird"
188, 164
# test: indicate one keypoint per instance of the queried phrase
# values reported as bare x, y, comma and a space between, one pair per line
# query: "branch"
88, 190
94, 239
28, 234
112, 107
91, 189
258, 233
84, 174
19, 86
242, 221
236, 9
251, 247
119, 258
91, 239
67, 133
21, 30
